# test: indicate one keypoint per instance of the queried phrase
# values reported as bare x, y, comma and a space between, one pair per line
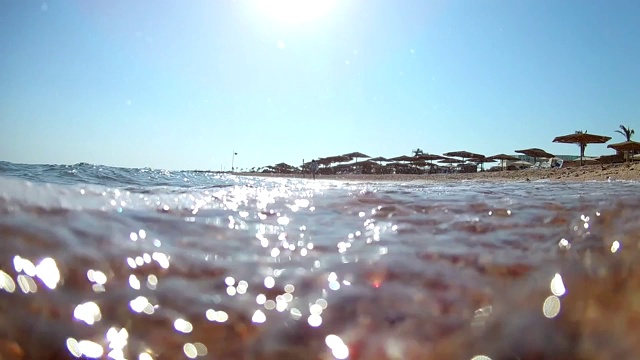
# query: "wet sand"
608, 172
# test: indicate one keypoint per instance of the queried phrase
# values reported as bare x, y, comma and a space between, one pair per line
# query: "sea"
100, 262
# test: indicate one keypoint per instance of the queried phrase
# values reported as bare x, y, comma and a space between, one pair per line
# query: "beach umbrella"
628, 146
333, 159
402, 158
365, 162
378, 159
463, 154
356, 155
535, 153
625, 146
503, 157
582, 139
430, 157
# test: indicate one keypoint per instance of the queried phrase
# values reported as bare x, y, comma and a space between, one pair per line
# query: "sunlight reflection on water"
290, 268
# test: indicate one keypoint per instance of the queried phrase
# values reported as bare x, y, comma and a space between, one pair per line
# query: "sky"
186, 84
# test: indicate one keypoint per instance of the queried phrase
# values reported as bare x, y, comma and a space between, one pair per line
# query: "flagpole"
233, 154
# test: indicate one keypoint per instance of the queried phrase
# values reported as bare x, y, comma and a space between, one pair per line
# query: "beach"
608, 172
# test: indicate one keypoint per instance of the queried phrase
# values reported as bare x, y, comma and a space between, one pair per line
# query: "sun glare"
295, 11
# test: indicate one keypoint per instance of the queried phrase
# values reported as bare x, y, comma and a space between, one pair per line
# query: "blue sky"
181, 85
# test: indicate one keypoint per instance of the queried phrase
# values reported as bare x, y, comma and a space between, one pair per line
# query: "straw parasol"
502, 158
402, 158
463, 154
356, 155
582, 139
535, 153
333, 159
627, 146
364, 162
430, 157
419, 162
379, 159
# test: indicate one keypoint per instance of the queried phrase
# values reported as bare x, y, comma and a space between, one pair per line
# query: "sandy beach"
608, 172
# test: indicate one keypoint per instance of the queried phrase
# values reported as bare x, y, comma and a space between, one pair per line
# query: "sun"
295, 11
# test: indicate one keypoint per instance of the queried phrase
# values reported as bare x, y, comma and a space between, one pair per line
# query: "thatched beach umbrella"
402, 158
582, 139
365, 162
463, 154
535, 153
627, 146
503, 157
333, 159
356, 155
431, 157
379, 159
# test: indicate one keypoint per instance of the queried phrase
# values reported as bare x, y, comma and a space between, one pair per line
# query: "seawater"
115, 263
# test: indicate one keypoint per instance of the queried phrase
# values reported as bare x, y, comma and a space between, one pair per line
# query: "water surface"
116, 263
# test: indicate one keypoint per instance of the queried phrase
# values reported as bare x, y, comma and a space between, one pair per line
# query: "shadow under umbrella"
482, 161
502, 158
451, 161
535, 153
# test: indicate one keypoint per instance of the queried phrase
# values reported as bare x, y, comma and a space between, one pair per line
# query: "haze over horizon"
176, 85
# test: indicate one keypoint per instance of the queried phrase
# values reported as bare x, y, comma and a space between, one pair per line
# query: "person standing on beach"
314, 168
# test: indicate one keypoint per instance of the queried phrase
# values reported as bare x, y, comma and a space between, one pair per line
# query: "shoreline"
598, 172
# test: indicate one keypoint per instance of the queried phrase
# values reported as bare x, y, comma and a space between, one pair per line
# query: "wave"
85, 173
